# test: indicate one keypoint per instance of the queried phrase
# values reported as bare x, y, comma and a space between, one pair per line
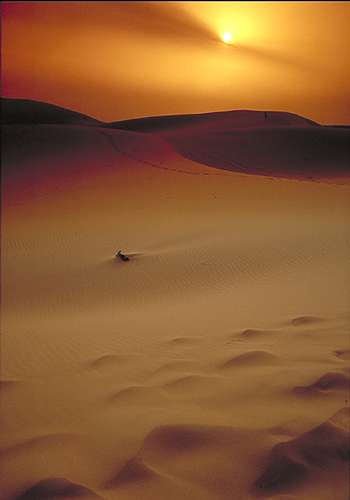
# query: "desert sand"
214, 363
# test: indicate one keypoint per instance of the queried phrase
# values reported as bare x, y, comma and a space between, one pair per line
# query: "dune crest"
251, 358
205, 457
328, 382
26, 111
319, 456
220, 120
270, 143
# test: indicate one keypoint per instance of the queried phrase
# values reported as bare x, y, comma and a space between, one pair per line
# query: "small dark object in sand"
122, 256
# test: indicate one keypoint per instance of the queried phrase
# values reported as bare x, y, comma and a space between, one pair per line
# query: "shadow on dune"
220, 120
55, 488
328, 383
270, 143
213, 459
26, 111
320, 455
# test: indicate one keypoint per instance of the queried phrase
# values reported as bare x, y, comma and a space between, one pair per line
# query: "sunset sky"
120, 60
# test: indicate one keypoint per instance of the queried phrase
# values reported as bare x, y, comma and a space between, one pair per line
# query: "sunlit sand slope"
214, 363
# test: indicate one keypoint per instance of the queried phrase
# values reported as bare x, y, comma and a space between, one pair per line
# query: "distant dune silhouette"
271, 143
30, 111
26, 111
219, 120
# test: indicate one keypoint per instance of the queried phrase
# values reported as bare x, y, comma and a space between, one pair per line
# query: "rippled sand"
211, 365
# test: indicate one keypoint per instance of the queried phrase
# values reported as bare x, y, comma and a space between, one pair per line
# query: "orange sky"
120, 60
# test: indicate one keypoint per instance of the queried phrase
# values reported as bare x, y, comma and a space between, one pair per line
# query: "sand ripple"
189, 266
205, 367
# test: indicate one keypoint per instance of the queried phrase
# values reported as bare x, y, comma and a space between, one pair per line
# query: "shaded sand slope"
268, 143
220, 120
21, 111
254, 142
212, 365
292, 152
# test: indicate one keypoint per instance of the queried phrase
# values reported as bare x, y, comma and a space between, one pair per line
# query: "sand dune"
212, 365
213, 121
317, 458
292, 152
326, 384
188, 452
253, 142
268, 143
57, 488
26, 111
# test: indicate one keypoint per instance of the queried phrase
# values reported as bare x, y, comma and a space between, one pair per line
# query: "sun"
226, 37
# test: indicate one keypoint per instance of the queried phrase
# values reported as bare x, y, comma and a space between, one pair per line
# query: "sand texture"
214, 363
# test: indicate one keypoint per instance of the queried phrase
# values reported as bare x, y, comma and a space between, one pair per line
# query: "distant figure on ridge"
265, 114
122, 256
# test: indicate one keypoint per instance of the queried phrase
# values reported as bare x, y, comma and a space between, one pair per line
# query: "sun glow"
226, 37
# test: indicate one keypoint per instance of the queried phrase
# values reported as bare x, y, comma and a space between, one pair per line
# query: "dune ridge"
214, 363
289, 464
27, 111
250, 142
220, 120
292, 463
